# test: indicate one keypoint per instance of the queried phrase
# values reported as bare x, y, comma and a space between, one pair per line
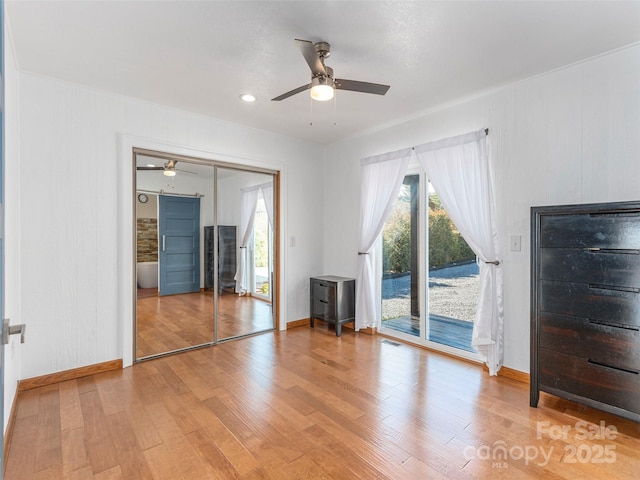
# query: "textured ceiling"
201, 55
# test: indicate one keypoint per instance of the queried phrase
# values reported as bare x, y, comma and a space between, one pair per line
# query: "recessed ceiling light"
247, 97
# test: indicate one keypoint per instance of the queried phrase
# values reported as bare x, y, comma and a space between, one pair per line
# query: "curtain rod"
162, 192
486, 132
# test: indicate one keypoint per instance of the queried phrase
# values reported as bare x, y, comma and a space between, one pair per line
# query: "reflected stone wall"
147, 240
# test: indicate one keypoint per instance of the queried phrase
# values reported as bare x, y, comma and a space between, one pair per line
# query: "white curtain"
458, 169
382, 177
267, 194
247, 214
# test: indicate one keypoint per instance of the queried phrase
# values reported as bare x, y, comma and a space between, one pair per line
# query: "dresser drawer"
562, 372
598, 230
603, 344
608, 304
595, 266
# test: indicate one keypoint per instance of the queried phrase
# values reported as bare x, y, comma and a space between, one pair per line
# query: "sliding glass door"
401, 299
429, 276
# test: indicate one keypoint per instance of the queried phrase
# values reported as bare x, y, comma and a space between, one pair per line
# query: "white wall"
570, 136
148, 209
12, 293
71, 140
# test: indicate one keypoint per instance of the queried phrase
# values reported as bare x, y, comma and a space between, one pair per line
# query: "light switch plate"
515, 243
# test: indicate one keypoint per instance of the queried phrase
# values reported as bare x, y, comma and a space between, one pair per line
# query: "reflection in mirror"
246, 219
174, 201
205, 251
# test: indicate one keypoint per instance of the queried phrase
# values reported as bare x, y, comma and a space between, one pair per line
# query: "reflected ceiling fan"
323, 84
169, 168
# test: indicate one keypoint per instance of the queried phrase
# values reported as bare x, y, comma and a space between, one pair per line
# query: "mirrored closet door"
204, 255
246, 219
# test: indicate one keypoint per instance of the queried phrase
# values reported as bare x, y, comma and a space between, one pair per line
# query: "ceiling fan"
323, 84
169, 168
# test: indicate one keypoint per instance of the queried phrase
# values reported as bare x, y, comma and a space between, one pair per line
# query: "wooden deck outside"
443, 330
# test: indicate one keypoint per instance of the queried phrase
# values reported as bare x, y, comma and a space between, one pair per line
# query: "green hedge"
446, 245
396, 241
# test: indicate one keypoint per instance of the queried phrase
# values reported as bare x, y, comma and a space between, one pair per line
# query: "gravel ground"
453, 292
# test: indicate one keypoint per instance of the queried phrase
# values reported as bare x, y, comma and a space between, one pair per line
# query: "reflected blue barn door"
179, 229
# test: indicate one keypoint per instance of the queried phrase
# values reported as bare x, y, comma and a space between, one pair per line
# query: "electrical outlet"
292, 241
515, 244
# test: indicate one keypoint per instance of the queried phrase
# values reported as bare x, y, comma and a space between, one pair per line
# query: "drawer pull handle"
622, 213
595, 286
600, 364
617, 251
324, 301
615, 325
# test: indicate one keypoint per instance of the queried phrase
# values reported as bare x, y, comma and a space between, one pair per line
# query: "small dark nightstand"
333, 299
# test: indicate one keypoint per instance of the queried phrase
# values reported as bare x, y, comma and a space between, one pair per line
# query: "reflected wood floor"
304, 404
172, 322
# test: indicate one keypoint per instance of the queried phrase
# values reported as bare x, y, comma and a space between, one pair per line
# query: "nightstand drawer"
324, 291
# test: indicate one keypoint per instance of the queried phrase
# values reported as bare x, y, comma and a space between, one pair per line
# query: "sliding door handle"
12, 330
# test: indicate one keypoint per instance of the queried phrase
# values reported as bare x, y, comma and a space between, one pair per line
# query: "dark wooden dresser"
226, 257
585, 305
333, 299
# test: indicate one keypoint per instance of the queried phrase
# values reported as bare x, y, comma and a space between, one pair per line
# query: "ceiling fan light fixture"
170, 168
322, 88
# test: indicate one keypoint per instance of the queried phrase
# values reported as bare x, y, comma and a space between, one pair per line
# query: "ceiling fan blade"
149, 168
291, 93
311, 56
185, 171
364, 87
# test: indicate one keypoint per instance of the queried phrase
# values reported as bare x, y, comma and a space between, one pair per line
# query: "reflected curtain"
247, 214
267, 194
382, 177
459, 171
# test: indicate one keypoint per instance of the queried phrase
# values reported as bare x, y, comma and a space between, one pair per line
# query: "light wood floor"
304, 404
173, 322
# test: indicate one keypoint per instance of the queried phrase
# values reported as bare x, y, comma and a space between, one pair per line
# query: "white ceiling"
201, 55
